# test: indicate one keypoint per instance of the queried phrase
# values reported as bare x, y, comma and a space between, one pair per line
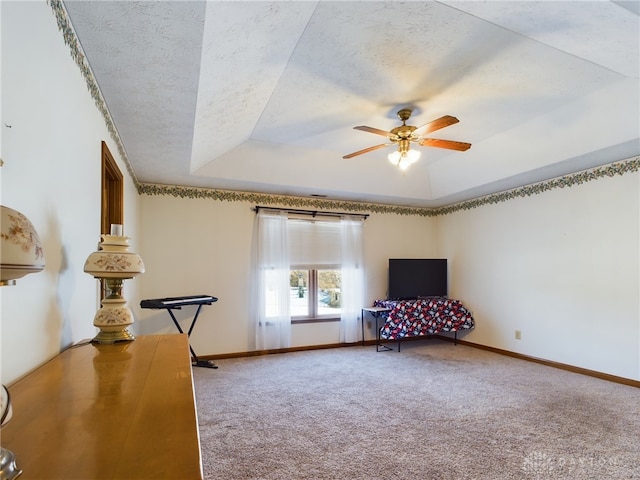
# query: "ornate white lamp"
114, 263
21, 250
21, 253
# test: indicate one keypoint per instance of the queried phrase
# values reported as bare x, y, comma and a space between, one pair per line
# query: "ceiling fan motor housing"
404, 131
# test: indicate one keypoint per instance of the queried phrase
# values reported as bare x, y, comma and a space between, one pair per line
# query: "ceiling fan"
405, 134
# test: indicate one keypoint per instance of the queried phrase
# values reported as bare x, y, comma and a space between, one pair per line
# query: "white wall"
200, 246
561, 266
52, 174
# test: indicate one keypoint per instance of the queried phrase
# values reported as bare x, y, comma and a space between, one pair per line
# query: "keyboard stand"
196, 362
176, 303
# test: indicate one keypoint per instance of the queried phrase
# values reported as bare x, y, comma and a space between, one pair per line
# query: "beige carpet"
432, 411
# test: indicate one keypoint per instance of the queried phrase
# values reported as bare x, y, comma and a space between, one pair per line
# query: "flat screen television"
411, 278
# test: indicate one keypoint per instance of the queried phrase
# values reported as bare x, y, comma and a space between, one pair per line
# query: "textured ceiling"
263, 96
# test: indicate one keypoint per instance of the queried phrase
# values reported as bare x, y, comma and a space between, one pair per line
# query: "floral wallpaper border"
71, 40
610, 170
566, 181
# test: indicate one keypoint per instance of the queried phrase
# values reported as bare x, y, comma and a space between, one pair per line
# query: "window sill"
315, 320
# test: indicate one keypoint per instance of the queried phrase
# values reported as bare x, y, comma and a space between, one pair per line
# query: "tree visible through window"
315, 293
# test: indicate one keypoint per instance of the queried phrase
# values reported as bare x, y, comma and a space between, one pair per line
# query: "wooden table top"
121, 411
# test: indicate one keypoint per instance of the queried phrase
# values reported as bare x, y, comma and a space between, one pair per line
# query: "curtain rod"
310, 212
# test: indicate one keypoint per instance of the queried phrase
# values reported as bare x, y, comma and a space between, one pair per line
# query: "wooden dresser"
122, 411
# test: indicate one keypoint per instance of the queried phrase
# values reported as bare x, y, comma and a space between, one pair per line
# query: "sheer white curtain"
352, 290
271, 281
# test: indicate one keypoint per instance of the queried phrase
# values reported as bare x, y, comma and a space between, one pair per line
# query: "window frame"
312, 295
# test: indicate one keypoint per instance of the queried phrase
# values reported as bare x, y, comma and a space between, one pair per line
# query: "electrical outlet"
518, 335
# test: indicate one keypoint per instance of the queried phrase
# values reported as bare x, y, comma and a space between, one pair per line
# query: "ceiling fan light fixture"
394, 158
413, 156
405, 159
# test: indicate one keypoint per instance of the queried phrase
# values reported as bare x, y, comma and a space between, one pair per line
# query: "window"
305, 271
315, 272
315, 294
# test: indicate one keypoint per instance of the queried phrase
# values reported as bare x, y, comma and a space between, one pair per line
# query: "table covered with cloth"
425, 316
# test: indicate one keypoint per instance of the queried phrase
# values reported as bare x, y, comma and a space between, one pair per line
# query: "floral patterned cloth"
412, 318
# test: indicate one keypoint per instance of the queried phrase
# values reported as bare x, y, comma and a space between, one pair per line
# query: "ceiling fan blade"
450, 144
367, 150
377, 131
437, 124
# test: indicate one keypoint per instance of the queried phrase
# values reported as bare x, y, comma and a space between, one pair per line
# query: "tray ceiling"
263, 96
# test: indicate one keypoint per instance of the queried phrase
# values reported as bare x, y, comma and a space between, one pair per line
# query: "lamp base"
8, 468
114, 316
108, 337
